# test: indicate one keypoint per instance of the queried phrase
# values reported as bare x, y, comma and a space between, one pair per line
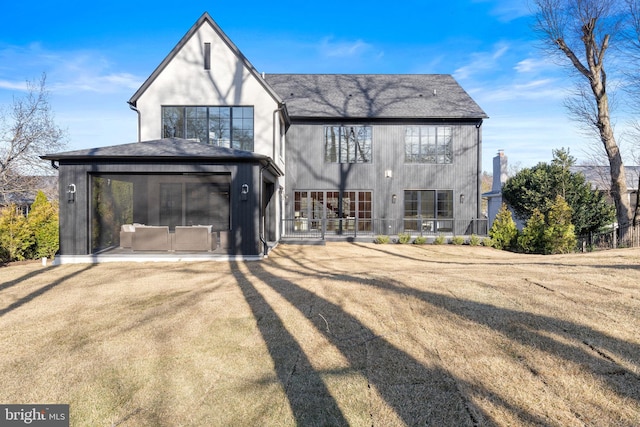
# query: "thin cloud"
547, 89
12, 85
90, 82
507, 10
482, 61
349, 49
66, 71
536, 65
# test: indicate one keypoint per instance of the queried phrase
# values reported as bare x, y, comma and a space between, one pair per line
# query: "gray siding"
307, 170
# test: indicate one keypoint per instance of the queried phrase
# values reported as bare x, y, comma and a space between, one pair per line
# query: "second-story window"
347, 144
428, 144
230, 127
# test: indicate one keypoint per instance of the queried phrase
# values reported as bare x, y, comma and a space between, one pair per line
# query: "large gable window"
230, 127
428, 144
347, 144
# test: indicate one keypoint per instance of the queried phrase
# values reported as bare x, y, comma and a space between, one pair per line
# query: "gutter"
479, 171
133, 107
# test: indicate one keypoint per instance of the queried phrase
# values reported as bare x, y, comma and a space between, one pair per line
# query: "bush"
504, 232
551, 235
16, 237
475, 240
487, 242
29, 238
440, 240
531, 240
457, 240
559, 236
404, 238
382, 239
43, 221
420, 240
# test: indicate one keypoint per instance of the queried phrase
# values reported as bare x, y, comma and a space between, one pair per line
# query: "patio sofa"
126, 235
151, 238
194, 238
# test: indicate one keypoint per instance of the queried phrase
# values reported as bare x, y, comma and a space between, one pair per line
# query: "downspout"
479, 171
276, 111
53, 165
265, 245
133, 107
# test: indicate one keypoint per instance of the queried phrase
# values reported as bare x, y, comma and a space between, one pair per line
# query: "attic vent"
207, 56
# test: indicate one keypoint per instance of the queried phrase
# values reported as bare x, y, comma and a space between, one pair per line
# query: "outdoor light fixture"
462, 198
244, 191
71, 193
388, 173
393, 199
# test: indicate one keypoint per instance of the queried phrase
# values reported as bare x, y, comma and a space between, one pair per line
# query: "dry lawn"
346, 334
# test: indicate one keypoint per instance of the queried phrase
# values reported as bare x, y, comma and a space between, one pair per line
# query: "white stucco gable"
182, 79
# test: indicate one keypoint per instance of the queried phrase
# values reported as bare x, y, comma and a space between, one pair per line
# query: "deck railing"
306, 228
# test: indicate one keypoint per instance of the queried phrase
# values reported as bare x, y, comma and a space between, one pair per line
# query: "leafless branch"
27, 131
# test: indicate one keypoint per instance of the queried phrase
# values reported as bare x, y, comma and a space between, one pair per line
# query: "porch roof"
164, 150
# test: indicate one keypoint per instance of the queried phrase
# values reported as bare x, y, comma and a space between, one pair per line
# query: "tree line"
557, 205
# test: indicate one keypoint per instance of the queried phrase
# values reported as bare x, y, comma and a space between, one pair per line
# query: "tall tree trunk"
595, 73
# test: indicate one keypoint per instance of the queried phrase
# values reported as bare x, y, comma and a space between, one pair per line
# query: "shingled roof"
378, 96
166, 148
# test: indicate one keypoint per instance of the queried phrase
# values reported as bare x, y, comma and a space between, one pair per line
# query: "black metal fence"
616, 237
306, 228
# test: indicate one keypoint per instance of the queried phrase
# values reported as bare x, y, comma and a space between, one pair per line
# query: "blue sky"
96, 56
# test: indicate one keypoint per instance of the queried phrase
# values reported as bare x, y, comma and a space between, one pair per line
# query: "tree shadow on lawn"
502, 320
38, 292
418, 395
544, 259
598, 352
31, 274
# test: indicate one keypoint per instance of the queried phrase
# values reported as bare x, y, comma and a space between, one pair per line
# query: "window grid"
339, 209
347, 144
231, 127
429, 144
428, 210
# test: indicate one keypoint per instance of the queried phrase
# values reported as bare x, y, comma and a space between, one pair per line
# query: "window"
341, 211
156, 199
428, 210
230, 127
207, 56
428, 144
347, 144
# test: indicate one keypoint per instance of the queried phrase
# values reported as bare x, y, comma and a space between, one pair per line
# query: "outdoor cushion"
151, 238
126, 235
192, 238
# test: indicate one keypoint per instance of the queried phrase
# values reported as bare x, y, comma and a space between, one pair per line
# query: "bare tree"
633, 84
27, 131
581, 32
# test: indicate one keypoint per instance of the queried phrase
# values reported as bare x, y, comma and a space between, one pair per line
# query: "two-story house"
230, 161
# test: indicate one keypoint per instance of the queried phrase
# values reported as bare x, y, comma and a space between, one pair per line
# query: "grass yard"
345, 334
